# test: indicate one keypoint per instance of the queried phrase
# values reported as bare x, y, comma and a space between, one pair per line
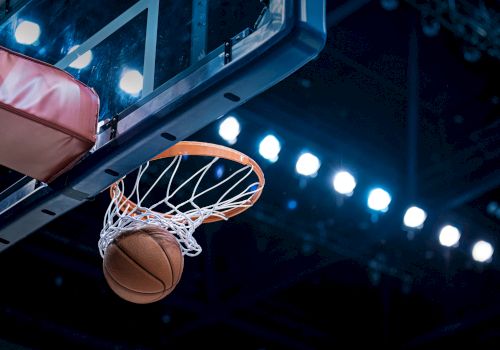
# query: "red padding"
48, 119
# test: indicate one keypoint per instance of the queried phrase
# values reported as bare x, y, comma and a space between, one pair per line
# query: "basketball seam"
174, 279
139, 294
142, 267
125, 287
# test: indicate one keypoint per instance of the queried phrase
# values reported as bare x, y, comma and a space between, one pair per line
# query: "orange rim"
193, 148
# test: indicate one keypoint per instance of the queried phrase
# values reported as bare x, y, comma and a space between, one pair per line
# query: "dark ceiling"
397, 108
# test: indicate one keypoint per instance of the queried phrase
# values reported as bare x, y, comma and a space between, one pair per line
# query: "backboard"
192, 62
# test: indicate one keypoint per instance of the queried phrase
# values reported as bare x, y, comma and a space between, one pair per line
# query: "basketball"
143, 265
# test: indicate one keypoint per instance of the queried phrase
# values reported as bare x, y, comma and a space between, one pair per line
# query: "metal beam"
477, 189
16, 192
199, 28
150, 47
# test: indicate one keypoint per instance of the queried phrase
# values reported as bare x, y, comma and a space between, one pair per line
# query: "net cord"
121, 216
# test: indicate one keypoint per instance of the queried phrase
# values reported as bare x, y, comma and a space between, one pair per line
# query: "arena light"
414, 217
229, 129
344, 183
292, 204
449, 236
131, 82
83, 60
270, 148
482, 251
379, 200
27, 33
307, 164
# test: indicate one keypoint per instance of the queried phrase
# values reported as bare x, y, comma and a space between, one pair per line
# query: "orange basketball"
143, 265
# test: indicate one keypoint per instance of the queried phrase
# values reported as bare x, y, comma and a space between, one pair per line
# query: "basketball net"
181, 219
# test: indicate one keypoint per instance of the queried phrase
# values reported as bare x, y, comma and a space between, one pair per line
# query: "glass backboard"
191, 62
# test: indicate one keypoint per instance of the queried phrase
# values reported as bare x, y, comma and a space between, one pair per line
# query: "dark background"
325, 274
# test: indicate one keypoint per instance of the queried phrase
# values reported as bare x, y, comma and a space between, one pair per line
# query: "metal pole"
150, 47
412, 112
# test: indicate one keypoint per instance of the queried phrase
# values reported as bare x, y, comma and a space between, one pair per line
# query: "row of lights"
344, 183
28, 33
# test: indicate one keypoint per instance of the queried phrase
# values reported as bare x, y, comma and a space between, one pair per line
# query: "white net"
180, 219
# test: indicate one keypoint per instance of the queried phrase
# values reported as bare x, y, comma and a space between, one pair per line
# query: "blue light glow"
131, 81
219, 171
414, 217
449, 236
307, 164
482, 251
269, 148
292, 204
379, 200
344, 183
229, 130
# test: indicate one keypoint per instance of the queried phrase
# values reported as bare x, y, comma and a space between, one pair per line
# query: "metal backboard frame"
290, 35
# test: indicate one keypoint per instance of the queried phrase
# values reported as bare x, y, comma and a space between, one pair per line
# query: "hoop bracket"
228, 51
113, 124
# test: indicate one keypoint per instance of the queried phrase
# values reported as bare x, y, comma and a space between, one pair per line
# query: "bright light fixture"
344, 183
414, 217
307, 164
229, 130
379, 200
131, 82
482, 251
83, 60
27, 33
270, 148
449, 236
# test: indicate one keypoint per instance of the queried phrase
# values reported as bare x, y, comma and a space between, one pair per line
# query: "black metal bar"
413, 111
475, 190
14, 187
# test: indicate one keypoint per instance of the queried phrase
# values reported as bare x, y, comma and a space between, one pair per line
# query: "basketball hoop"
183, 218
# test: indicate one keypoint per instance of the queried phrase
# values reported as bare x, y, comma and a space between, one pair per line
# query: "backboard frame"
294, 33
